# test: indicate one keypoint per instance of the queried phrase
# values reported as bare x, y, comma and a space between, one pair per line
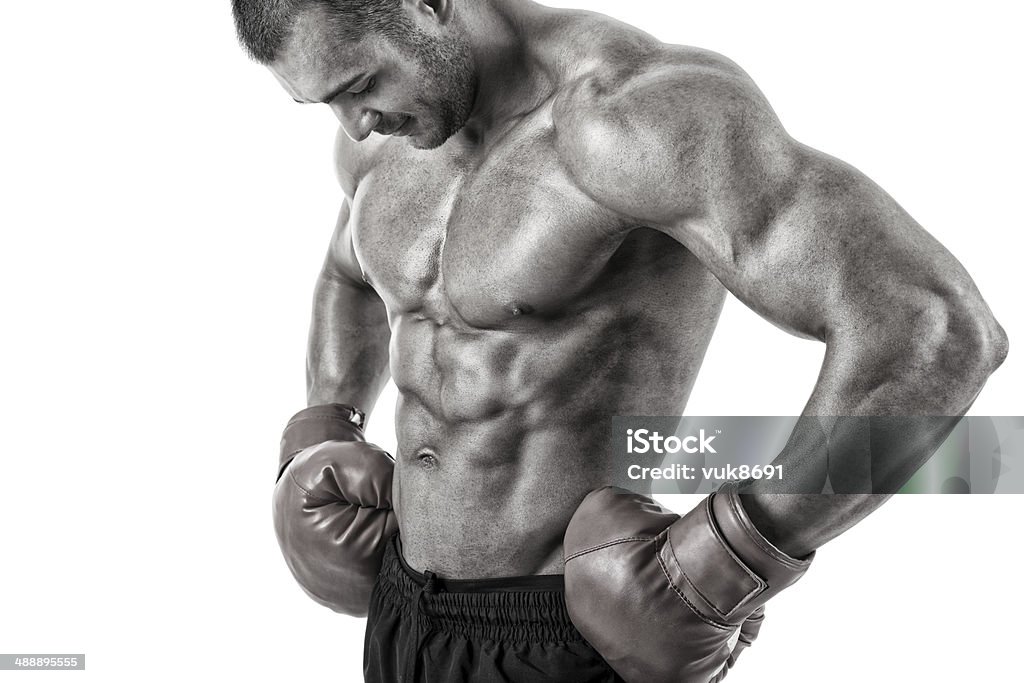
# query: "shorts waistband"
509, 609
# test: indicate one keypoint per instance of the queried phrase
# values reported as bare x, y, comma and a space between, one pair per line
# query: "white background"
165, 208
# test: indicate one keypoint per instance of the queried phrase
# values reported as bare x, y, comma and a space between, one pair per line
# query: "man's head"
391, 66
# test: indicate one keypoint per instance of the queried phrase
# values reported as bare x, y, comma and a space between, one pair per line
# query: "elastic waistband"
510, 609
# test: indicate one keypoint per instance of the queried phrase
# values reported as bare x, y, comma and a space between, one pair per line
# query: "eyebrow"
337, 91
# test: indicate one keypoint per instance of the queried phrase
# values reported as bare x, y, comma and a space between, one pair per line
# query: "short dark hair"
264, 25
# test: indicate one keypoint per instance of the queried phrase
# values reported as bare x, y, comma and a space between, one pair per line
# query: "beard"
448, 91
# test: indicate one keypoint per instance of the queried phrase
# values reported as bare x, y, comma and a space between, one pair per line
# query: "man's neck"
509, 81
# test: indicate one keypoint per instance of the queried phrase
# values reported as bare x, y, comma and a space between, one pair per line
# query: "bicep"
805, 240
347, 350
837, 259
341, 262
343, 299
826, 253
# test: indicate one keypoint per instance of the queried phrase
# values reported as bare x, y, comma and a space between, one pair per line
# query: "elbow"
929, 355
962, 340
978, 343
996, 345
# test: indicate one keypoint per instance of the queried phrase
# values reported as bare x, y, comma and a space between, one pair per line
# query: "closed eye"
364, 87
355, 86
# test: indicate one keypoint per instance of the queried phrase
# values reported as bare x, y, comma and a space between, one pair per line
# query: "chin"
426, 143
432, 138
417, 143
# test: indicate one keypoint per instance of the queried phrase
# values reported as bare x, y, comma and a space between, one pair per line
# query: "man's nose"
357, 122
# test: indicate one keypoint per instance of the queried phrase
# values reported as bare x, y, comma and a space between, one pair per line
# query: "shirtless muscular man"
543, 212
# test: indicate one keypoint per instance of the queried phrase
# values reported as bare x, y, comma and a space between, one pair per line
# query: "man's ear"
439, 11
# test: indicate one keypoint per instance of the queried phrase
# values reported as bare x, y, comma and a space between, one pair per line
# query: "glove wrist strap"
720, 564
777, 569
317, 424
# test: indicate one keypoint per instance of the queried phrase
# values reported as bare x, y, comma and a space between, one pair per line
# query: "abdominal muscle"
502, 434
494, 500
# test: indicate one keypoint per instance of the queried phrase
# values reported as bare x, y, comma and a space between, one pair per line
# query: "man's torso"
524, 316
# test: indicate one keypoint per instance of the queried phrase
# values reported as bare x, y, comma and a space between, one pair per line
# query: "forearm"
347, 357
874, 419
869, 457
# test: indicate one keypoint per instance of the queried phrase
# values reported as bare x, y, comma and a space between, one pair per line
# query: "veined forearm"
863, 460
347, 357
866, 430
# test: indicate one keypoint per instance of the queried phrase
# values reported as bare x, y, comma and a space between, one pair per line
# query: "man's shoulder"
650, 93
353, 160
651, 116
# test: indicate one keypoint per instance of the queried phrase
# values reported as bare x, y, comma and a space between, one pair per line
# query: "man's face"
420, 85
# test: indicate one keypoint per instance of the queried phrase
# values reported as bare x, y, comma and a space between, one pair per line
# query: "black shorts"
424, 629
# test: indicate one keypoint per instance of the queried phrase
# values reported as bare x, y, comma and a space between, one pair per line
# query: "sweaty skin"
566, 260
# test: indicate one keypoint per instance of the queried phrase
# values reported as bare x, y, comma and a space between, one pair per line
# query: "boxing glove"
332, 506
666, 599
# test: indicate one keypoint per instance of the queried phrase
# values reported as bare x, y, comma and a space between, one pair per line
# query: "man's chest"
481, 239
